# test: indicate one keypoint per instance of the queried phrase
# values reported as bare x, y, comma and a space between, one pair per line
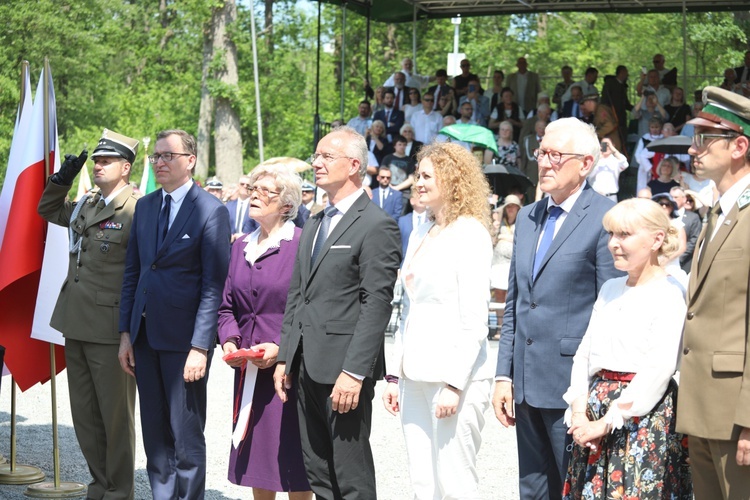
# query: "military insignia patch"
111, 225
744, 198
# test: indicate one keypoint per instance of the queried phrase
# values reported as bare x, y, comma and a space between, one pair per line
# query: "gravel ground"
498, 471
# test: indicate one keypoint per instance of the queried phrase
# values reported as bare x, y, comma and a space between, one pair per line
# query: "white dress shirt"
178, 196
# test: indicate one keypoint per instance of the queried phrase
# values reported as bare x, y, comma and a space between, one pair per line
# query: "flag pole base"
21, 474
49, 490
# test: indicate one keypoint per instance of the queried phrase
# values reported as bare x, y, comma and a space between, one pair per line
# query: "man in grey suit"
339, 302
560, 261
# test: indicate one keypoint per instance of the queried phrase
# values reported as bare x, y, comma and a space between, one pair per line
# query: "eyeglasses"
154, 158
699, 140
262, 191
327, 157
245, 184
666, 203
555, 157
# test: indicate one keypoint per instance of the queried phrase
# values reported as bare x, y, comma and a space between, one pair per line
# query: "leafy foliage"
134, 66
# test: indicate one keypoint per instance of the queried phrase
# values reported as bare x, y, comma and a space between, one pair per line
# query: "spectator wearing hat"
308, 198
714, 404
215, 187
102, 396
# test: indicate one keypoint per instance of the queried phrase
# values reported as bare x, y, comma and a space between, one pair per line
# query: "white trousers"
442, 453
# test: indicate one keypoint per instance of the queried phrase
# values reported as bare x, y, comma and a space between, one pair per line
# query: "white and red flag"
22, 237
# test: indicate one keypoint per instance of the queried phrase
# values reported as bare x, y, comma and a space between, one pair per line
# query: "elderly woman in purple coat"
266, 453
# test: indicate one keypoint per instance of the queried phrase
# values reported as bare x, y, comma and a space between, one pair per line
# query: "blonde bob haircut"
635, 213
288, 183
459, 176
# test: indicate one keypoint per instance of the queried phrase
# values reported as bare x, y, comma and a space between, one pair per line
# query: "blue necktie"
547, 237
325, 224
163, 225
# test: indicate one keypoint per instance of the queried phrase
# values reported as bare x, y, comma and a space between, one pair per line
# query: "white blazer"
443, 331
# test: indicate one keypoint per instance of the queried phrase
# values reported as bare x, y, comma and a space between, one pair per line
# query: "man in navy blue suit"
175, 267
409, 222
393, 118
560, 261
387, 198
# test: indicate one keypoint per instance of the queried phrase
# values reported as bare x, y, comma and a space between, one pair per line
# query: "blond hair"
459, 176
635, 213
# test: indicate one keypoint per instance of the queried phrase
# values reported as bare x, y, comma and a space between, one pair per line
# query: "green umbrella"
475, 134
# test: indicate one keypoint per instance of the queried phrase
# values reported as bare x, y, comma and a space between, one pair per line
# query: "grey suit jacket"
342, 303
546, 318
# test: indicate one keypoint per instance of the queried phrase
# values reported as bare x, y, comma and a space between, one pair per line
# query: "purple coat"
251, 313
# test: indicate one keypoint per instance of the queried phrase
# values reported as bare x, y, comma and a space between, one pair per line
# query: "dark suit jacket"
405, 99
693, 227
178, 285
567, 110
342, 303
393, 205
546, 318
392, 126
248, 224
738, 71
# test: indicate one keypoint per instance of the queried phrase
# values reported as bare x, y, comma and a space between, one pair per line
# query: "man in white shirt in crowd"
587, 85
605, 176
652, 81
427, 122
363, 120
413, 80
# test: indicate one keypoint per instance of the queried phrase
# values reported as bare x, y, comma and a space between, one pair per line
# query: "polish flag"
22, 236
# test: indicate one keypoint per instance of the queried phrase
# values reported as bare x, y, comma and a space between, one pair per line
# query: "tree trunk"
268, 27
205, 115
227, 137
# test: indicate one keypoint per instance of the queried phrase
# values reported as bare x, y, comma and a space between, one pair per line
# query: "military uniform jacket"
714, 397
88, 308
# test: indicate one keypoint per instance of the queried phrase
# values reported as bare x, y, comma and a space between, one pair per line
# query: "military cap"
724, 110
214, 184
114, 144
306, 186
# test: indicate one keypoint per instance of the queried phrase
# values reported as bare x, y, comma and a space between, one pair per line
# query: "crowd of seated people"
428, 103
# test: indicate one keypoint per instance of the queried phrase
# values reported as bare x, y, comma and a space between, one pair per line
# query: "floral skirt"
646, 458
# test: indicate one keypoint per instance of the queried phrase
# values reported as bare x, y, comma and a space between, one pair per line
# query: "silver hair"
581, 135
355, 147
287, 182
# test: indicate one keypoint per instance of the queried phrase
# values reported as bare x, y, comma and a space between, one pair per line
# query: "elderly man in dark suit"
714, 401
175, 269
102, 397
560, 261
337, 310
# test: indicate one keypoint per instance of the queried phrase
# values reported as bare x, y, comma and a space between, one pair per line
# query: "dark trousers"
336, 446
542, 455
173, 416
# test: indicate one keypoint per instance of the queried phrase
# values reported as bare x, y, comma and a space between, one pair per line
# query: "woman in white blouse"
622, 395
445, 372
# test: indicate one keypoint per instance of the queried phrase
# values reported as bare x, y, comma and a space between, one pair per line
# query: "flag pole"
55, 489
10, 472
